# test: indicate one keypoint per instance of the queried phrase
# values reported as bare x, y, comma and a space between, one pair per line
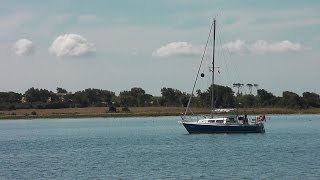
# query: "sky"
119, 44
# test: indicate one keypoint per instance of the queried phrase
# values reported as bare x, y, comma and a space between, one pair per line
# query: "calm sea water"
157, 148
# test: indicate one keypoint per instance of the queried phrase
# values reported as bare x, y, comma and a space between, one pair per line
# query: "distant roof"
63, 94
224, 110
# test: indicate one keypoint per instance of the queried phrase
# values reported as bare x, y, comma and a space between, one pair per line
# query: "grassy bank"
134, 111
94, 112
279, 111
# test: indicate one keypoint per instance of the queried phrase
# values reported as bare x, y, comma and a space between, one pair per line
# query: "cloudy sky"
119, 44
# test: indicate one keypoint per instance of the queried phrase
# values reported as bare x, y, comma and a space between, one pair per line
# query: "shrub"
12, 107
56, 105
40, 106
112, 108
33, 113
125, 109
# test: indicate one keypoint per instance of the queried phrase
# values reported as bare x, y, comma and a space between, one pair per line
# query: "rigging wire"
225, 62
226, 55
195, 82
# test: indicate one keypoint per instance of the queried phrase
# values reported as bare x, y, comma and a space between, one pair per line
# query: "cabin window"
219, 121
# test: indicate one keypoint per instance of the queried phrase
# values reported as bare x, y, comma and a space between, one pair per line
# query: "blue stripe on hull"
241, 128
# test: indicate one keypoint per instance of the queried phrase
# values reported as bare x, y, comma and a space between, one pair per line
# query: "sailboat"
219, 120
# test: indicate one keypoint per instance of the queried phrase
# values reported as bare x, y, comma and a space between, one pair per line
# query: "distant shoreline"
134, 112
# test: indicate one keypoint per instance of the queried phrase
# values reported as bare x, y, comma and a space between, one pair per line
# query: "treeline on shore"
224, 97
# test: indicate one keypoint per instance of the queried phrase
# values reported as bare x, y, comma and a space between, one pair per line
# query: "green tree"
92, 96
247, 101
266, 98
10, 97
312, 99
292, 100
173, 97
61, 90
126, 99
38, 95
223, 97
135, 97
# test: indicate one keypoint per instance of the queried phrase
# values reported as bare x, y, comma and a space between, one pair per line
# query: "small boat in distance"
219, 120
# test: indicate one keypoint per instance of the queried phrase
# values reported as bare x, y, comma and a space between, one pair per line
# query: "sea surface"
157, 148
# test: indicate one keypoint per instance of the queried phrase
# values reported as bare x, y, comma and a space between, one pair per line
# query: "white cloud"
263, 47
237, 46
23, 47
71, 45
177, 49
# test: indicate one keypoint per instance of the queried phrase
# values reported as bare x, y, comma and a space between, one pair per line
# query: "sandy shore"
134, 112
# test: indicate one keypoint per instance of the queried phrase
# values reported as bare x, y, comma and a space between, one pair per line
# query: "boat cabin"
219, 120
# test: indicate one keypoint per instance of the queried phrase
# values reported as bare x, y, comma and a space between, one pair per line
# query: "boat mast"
195, 82
213, 53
